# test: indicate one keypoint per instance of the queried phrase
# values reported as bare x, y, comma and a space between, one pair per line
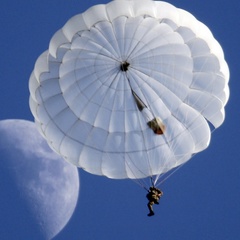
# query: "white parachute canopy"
130, 89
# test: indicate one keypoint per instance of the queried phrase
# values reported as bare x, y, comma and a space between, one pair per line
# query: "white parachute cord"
124, 67
174, 171
143, 136
152, 182
168, 176
139, 181
149, 107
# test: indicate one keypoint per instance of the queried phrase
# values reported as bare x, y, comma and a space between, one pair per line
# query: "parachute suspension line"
152, 121
139, 181
124, 67
141, 105
176, 169
136, 168
181, 165
172, 172
159, 176
164, 179
152, 182
168, 143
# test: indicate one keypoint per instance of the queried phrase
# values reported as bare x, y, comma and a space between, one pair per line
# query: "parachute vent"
124, 66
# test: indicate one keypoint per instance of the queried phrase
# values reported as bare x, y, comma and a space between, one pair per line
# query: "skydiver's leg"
151, 213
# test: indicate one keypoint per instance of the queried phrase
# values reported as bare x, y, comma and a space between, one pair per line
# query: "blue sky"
201, 200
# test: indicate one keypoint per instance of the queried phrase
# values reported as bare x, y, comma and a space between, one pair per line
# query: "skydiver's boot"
151, 213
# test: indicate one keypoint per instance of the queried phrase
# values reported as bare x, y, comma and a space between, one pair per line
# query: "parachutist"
124, 66
153, 196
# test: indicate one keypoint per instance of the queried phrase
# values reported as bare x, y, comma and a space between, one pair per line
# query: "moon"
39, 190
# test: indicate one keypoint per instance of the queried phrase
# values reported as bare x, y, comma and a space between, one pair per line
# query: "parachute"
130, 89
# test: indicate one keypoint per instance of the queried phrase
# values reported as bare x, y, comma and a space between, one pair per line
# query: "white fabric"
83, 102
